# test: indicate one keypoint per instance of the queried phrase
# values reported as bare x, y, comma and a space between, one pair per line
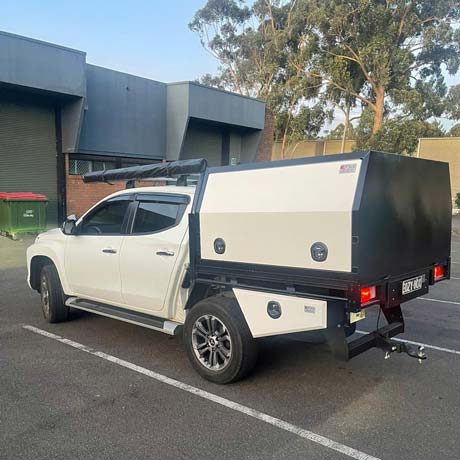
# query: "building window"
80, 167
102, 165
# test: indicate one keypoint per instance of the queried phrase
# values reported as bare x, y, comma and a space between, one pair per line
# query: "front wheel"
218, 342
52, 296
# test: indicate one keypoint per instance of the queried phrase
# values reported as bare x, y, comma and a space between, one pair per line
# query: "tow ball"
390, 346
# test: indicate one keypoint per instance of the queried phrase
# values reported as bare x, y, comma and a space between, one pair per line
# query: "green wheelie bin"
23, 212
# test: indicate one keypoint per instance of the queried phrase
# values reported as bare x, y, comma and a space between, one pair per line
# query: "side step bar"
129, 316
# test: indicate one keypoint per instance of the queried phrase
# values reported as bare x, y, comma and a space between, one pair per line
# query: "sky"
146, 38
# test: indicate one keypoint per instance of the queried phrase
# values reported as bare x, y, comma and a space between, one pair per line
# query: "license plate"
413, 284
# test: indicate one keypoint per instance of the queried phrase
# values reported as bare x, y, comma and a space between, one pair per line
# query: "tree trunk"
379, 107
283, 144
285, 133
345, 128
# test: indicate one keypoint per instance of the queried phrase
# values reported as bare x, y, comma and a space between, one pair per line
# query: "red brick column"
264, 151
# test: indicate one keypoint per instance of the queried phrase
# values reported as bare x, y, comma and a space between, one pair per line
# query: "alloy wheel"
211, 342
45, 296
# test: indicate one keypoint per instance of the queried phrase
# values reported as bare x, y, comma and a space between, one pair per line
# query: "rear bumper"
389, 292
389, 300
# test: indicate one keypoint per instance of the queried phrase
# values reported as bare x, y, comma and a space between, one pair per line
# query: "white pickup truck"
253, 251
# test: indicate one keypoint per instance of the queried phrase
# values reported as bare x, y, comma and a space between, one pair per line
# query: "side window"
152, 216
105, 220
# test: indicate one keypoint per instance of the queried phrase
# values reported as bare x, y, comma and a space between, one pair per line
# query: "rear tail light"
367, 294
438, 272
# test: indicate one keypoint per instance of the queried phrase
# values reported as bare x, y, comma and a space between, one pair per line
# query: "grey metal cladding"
124, 115
105, 112
35, 64
176, 118
71, 120
225, 107
188, 101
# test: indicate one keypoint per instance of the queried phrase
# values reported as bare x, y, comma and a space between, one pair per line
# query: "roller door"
203, 141
28, 149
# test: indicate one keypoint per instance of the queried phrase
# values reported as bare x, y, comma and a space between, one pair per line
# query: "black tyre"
52, 296
218, 341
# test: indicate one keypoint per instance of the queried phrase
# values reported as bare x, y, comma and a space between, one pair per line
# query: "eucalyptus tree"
264, 51
387, 58
400, 49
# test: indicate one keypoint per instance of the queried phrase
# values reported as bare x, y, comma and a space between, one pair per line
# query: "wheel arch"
37, 262
202, 290
36, 265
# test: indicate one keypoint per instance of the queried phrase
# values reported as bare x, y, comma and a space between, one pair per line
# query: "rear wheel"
52, 296
218, 342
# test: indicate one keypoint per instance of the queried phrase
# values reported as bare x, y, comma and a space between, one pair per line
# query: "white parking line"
278, 423
439, 300
432, 347
453, 278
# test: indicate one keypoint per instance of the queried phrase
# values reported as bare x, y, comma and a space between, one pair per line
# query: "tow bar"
381, 338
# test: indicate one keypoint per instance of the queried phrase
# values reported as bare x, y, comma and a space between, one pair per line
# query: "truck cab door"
93, 251
151, 250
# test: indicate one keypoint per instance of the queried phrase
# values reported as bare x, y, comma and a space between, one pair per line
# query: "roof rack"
179, 169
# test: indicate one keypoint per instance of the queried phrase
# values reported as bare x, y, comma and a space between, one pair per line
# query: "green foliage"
452, 102
387, 58
257, 47
263, 51
337, 132
305, 124
455, 130
457, 200
397, 135
388, 54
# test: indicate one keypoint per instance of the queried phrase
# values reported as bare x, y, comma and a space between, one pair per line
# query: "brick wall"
81, 196
264, 151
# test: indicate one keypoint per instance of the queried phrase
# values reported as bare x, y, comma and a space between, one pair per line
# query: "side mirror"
69, 225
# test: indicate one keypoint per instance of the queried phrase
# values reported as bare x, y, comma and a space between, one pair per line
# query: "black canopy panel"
172, 169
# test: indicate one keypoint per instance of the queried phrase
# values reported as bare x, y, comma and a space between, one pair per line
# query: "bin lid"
22, 196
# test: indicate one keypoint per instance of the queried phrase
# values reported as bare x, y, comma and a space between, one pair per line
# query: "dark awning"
172, 169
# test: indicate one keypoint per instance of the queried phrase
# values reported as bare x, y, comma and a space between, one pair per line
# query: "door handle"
109, 251
165, 252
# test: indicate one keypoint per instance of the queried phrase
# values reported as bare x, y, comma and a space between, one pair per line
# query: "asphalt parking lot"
100, 388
